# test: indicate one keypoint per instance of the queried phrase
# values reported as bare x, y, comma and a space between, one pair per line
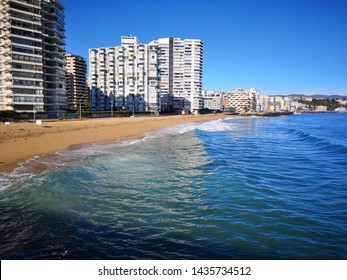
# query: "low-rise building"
340, 109
238, 99
212, 100
321, 108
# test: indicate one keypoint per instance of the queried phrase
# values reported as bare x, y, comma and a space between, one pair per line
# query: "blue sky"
278, 46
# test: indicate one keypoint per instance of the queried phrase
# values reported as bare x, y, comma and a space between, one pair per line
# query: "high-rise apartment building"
164, 75
193, 73
124, 76
76, 83
32, 64
180, 73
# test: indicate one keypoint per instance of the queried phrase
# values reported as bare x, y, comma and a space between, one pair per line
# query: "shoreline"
21, 141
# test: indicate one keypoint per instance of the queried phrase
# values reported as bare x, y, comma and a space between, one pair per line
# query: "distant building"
281, 104
237, 99
343, 102
263, 102
76, 84
298, 106
212, 100
256, 104
164, 75
321, 108
32, 64
278, 104
340, 109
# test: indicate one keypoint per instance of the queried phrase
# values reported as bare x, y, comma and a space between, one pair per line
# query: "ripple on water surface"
240, 188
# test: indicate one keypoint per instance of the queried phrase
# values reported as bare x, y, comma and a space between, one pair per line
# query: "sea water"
237, 188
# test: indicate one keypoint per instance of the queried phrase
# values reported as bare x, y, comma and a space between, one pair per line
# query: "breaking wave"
37, 164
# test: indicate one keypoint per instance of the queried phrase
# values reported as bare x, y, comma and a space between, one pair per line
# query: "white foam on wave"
8, 178
216, 126
37, 164
170, 131
209, 126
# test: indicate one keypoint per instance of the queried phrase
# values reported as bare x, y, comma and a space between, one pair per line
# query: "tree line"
331, 104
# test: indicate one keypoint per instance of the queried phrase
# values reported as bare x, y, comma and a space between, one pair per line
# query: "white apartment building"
250, 100
180, 74
321, 108
124, 76
32, 64
278, 104
256, 103
213, 100
164, 75
193, 53
263, 103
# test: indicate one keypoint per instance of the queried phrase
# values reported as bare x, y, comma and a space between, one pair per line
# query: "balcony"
27, 3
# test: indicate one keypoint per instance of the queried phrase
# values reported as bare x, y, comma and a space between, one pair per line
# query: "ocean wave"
216, 126
317, 141
209, 126
37, 164
270, 194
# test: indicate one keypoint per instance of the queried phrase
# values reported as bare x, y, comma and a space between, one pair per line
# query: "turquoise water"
239, 188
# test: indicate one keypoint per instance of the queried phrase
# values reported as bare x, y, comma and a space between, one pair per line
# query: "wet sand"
20, 141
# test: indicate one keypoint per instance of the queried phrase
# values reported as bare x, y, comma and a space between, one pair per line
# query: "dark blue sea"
237, 188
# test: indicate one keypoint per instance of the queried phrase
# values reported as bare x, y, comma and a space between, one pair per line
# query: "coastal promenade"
20, 141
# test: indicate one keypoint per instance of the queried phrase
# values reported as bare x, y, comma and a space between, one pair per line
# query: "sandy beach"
20, 141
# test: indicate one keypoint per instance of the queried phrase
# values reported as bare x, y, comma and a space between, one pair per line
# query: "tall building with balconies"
180, 73
193, 54
124, 77
76, 83
32, 64
164, 75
